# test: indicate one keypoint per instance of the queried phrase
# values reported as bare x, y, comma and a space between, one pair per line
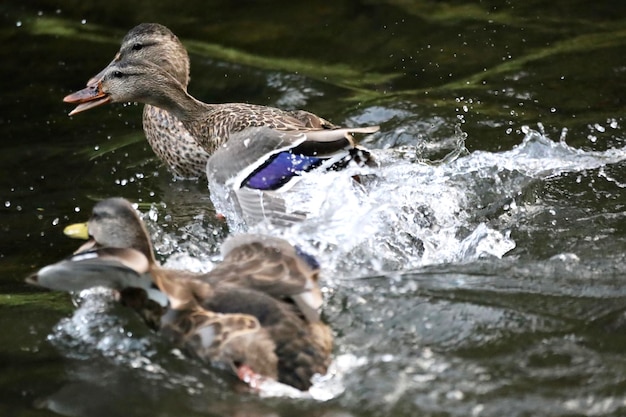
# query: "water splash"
410, 213
94, 328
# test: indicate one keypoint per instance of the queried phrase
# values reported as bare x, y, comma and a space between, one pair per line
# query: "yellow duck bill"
77, 231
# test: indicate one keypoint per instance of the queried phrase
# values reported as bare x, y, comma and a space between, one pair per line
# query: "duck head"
114, 223
131, 80
154, 43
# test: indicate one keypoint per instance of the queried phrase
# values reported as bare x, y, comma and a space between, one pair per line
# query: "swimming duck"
146, 70
307, 142
168, 138
256, 313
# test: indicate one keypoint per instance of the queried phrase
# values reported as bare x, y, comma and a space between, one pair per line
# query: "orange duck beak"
89, 97
92, 95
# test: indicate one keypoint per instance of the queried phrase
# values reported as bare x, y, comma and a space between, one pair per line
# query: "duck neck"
178, 102
173, 97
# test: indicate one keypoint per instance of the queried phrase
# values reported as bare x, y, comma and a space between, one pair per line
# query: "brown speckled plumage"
173, 144
257, 309
218, 121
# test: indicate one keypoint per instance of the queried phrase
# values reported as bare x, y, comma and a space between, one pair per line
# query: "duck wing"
258, 164
272, 266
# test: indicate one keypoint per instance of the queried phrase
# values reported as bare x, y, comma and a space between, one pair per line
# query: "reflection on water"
479, 271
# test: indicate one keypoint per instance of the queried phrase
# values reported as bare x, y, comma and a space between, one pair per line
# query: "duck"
256, 314
313, 141
209, 124
166, 135
140, 80
282, 145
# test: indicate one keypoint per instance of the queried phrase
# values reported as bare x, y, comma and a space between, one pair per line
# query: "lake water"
478, 271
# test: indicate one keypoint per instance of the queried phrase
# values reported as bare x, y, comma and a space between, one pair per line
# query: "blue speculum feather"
309, 259
278, 170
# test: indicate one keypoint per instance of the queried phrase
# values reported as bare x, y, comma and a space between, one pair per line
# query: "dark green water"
538, 332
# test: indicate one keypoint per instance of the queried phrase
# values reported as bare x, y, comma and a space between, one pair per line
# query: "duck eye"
137, 47
118, 74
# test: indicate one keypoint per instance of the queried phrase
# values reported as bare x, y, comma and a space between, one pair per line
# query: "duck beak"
80, 231
93, 81
89, 97
99, 76
77, 231
92, 95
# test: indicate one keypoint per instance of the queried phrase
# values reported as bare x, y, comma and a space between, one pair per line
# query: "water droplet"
455, 395
76, 209
7, 204
18, 23
82, 22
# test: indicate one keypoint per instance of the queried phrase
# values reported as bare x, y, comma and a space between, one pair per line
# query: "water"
406, 213
478, 271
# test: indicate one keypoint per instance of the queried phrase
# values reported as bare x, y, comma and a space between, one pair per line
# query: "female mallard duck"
167, 137
146, 70
279, 145
256, 312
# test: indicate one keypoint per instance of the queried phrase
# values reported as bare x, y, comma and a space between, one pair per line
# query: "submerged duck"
149, 75
168, 138
257, 313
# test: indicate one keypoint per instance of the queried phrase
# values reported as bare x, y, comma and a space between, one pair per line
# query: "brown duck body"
173, 144
245, 312
186, 152
213, 124
257, 310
